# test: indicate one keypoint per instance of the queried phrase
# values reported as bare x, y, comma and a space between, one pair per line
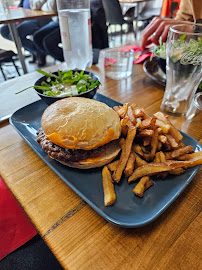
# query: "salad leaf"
65, 83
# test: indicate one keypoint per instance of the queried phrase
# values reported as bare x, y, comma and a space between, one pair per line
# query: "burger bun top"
80, 123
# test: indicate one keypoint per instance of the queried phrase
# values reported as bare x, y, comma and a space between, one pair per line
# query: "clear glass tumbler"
118, 63
193, 122
183, 67
75, 28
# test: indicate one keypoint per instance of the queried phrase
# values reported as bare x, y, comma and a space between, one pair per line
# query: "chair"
114, 15
6, 57
151, 9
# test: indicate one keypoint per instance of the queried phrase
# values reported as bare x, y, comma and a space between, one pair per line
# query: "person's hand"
158, 27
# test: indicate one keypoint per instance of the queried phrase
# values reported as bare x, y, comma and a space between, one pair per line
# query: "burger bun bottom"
111, 152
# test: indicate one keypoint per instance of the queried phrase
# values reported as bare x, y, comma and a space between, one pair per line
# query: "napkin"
15, 227
140, 55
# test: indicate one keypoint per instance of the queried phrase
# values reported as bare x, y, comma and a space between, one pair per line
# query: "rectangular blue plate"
128, 210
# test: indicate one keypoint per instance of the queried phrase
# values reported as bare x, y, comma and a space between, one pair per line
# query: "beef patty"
64, 154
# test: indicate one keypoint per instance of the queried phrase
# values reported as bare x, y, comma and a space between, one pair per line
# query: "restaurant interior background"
114, 41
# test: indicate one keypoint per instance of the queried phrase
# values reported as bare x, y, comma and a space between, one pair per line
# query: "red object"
166, 8
15, 227
137, 49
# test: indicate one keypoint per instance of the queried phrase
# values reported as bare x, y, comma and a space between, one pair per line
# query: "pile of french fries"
150, 145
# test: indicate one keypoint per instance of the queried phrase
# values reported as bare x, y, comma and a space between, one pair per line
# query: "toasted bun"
80, 123
111, 152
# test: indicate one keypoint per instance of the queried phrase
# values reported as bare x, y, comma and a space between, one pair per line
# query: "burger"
80, 132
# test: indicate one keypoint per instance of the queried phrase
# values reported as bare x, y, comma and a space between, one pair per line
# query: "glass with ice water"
183, 67
118, 63
75, 28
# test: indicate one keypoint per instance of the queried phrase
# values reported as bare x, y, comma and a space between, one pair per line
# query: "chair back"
113, 12
151, 9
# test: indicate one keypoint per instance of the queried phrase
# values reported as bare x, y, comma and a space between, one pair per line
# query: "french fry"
154, 168
164, 127
172, 141
123, 110
125, 154
108, 187
113, 166
162, 138
149, 122
162, 157
146, 141
137, 149
139, 161
154, 143
142, 185
173, 131
147, 133
179, 152
130, 164
157, 158
177, 171
131, 115
189, 156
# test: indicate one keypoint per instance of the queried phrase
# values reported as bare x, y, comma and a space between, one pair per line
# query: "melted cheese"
57, 139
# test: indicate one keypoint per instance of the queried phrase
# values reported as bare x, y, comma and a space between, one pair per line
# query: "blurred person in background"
48, 37
189, 11
25, 29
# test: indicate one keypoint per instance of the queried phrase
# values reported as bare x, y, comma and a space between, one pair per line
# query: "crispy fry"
142, 185
172, 141
149, 122
123, 110
131, 115
189, 156
179, 152
113, 166
164, 127
157, 158
130, 164
137, 149
162, 138
154, 143
154, 168
108, 187
146, 141
173, 131
147, 132
162, 157
177, 171
139, 161
125, 154
140, 113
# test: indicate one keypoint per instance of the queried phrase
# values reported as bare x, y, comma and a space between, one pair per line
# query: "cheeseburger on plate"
80, 132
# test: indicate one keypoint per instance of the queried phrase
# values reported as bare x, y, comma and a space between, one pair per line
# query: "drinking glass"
183, 67
118, 63
75, 28
193, 122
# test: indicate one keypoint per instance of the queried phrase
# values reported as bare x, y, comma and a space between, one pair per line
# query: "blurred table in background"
18, 15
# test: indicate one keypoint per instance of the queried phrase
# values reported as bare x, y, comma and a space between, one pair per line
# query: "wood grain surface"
21, 14
79, 237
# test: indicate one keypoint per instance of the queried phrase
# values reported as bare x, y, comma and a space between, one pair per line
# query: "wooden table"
81, 239
19, 15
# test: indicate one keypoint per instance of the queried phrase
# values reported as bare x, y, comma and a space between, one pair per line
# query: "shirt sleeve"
189, 10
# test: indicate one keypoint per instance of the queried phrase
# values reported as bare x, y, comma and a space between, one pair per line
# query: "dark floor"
34, 255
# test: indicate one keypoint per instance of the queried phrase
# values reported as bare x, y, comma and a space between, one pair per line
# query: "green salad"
65, 83
160, 50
